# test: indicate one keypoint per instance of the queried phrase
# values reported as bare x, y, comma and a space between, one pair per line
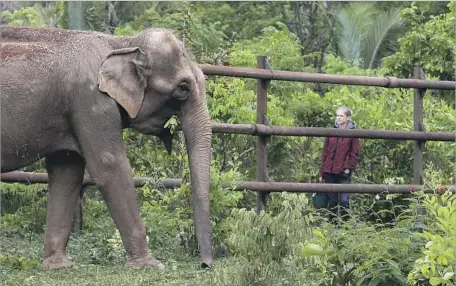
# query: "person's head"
343, 116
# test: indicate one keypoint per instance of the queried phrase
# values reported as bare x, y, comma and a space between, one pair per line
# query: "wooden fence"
262, 130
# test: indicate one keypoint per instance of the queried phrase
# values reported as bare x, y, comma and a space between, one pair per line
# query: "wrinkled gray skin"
66, 95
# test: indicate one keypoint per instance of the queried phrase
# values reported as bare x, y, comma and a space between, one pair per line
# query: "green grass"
183, 274
181, 269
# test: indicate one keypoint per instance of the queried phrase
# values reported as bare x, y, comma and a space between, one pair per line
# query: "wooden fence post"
262, 152
418, 147
418, 125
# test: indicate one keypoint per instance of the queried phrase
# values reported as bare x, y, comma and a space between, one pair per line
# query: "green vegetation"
389, 240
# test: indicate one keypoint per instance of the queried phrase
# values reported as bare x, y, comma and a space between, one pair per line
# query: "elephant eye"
184, 86
182, 91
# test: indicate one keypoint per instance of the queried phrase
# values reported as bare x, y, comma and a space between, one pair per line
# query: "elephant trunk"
196, 126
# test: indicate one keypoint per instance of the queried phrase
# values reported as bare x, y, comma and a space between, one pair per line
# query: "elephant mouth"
162, 133
150, 130
167, 138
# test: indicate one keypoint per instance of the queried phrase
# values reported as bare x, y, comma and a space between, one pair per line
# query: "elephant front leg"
99, 135
66, 173
112, 173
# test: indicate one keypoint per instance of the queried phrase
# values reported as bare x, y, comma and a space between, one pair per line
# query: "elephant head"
152, 77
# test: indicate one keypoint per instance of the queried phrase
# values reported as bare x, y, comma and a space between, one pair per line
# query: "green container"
320, 200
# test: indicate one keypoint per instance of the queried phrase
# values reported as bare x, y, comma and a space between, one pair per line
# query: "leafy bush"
206, 41
27, 16
360, 253
438, 261
289, 245
16, 195
266, 245
23, 209
431, 43
34, 16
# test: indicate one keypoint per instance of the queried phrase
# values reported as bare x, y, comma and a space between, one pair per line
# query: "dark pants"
335, 199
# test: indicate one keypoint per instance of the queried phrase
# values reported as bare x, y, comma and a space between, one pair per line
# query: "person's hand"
347, 171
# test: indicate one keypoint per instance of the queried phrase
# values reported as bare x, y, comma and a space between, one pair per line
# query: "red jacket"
339, 153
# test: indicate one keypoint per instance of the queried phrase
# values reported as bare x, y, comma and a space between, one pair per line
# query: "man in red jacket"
339, 158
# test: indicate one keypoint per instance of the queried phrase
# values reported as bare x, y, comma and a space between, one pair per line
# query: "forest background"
386, 242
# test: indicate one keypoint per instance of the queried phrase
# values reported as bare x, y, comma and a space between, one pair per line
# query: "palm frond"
351, 22
381, 37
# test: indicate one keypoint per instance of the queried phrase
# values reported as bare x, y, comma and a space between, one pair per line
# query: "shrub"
361, 253
28, 217
437, 263
265, 246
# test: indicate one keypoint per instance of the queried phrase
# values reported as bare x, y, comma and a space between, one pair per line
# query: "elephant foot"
56, 262
148, 262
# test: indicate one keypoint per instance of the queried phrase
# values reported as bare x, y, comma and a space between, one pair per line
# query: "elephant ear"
121, 76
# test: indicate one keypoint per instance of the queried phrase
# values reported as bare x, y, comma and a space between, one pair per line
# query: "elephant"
66, 96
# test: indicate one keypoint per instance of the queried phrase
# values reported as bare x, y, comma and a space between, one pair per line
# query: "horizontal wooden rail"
388, 82
42, 178
261, 129
337, 188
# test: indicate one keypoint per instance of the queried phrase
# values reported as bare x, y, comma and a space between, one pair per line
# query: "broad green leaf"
435, 281
448, 276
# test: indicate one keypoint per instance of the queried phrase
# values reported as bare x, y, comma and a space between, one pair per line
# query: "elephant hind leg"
66, 174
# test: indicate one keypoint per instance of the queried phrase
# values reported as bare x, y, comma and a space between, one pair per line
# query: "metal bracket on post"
262, 152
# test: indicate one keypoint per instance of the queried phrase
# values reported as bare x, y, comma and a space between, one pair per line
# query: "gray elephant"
67, 95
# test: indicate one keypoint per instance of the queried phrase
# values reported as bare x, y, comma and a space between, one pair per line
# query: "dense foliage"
388, 241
